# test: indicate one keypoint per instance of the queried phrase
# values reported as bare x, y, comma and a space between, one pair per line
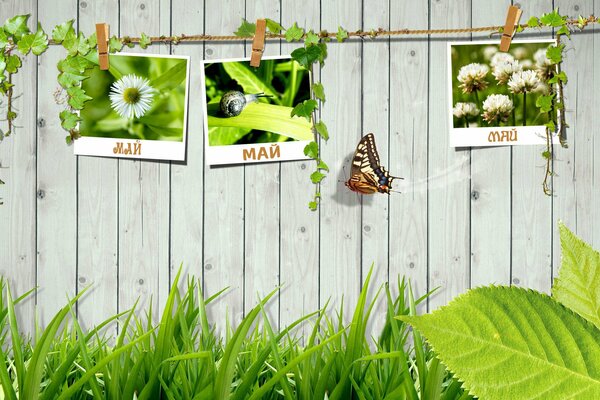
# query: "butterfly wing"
367, 174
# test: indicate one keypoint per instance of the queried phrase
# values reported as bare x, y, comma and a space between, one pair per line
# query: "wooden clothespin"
102, 35
258, 44
510, 27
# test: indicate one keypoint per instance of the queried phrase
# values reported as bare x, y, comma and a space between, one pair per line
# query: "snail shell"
233, 102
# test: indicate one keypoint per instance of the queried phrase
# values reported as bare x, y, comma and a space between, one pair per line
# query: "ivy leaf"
274, 26
77, 97
17, 26
36, 42
560, 77
323, 166
115, 44
553, 19
323, 55
3, 39
68, 120
317, 176
551, 126
76, 43
554, 53
322, 130
60, 31
546, 154
294, 33
312, 150
312, 205
144, 41
13, 63
306, 56
533, 22
319, 91
341, 34
564, 30
92, 40
544, 103
247, 29
311, 39
69, 79
305, 109
581, 22
74, 64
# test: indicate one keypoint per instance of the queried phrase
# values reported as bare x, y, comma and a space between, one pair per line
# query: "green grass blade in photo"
251, 83
259, 116
171, 78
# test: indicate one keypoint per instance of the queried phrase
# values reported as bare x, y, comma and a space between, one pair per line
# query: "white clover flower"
489, 51
520, 52
503, 71
540, 58
472, 77
543, 65
542, 88
497, 107
462, 110
526, 64
131, 96
501, 58
523, 81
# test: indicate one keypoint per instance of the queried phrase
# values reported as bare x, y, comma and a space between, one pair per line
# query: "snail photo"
247, 106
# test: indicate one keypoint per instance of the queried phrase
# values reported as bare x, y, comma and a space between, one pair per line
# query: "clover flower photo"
140, 97
491, 88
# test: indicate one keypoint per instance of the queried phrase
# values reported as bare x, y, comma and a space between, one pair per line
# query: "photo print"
248, 110
138, 108
493, 94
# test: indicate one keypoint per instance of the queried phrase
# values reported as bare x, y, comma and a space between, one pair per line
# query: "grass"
182, 357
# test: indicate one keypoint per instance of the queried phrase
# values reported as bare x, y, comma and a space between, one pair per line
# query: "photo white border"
478, 137
150, 149
234, 153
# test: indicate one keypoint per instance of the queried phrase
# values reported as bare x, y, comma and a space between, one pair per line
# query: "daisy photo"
493, 94
138, 108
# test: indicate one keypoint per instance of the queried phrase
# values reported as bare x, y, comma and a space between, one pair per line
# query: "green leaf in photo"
274, 26
145, 41
36, 42
60, 31
13, 63
115, 44
305, 109
17, 26
553, 19
223, 136
68, 120
319, 91
171, 78
306, 56
249, 81
533, 22
312, 150
578, 283
322, 130
77, 97
311, 39
544, 103
294, 33
554, 53
341, 34
514, 343
317, 176
246, 29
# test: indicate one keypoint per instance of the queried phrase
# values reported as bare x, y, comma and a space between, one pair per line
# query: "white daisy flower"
523, 81
497, 107
489, 51
462, 110
501, 58
503, 71
131, 96
472, 77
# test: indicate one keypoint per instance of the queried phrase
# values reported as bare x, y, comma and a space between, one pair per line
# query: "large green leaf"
171, 78
514, 343
263, 117
578, 283
251, 83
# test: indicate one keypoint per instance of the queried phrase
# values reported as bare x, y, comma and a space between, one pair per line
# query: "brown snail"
233, 102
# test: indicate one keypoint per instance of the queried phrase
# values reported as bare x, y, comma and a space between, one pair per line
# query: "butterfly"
367, 176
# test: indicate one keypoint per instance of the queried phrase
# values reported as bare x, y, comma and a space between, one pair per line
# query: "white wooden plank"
18, 171
56, 180
449, 192
490, 186
340, 250
375, 118
299, 227
187, 178
532, 209
224, 189
143, 191
408, 146
595, 239
261, 205
573, 202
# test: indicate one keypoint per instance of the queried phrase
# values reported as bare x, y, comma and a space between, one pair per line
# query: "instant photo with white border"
491, 135
252, 152
137, 148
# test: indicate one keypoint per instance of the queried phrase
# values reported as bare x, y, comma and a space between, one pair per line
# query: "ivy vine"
17, 41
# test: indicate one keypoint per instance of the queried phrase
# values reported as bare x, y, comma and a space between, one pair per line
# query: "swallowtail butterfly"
367, 175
